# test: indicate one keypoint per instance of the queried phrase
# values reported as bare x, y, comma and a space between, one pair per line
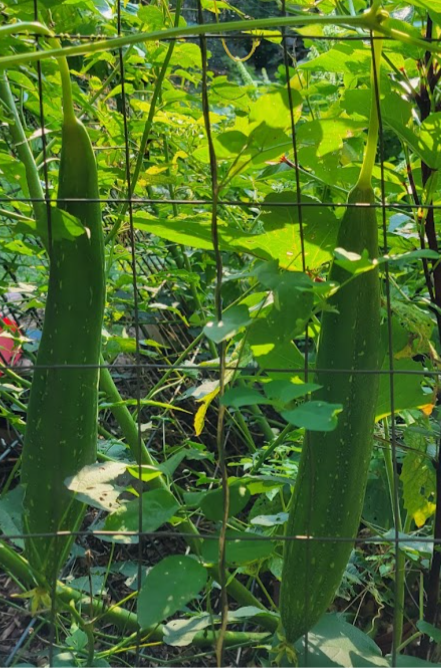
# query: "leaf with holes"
96, 486
158, 506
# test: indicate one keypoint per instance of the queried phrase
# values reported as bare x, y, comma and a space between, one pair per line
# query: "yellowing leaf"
40, 600
418, 478
199, 418
426, 511
179, 154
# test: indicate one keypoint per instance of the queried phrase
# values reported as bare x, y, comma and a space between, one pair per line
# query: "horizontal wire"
248, 369
208, 202
243, 538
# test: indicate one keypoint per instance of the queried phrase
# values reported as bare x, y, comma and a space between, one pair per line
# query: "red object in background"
10, 350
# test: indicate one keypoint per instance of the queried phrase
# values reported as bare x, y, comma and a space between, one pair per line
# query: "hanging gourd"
330, 486
61, 428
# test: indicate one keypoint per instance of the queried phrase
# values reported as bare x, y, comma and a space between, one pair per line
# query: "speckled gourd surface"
61, 430
329, 491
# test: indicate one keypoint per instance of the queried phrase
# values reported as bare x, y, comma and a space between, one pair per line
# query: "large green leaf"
428, 5
426, 142
280, 240
167, 587
334, 642
314, 415
241, 548
327, 136
158, 506
212, 504
273, 108
280, 216
233, 319
407, 390
343, 57
272, 355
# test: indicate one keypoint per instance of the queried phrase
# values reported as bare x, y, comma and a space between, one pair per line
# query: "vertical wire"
396, 540
220, 442
55, 538
306, 443
136, 316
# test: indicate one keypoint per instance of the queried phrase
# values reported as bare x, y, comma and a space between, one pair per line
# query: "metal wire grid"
131, 201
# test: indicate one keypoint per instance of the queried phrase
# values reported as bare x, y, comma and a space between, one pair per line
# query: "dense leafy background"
273, 288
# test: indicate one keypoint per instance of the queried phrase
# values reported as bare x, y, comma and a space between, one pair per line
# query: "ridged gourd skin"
330, 487
61, 429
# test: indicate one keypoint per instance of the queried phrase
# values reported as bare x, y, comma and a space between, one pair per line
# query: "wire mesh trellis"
140, 265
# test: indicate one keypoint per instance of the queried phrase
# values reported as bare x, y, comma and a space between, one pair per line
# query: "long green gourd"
61, 429
330, 487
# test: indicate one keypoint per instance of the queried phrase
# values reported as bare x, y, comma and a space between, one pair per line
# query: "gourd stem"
40, 29
364, 180
66, 87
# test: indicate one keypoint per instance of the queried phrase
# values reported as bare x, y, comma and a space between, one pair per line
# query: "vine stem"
370, 152
400, 574
370, 20
220, 436
24, 152
123, 619
373, 19
129, 429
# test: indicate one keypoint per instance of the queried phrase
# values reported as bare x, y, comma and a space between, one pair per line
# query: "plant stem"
364, 180
40, 29
370, 20
17, 131
410, 640
129, 430
24, 153
388, 462
270, 449
242, 425
13, 215
126, 422
15, 564
120, 617
88, 104
400, 577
